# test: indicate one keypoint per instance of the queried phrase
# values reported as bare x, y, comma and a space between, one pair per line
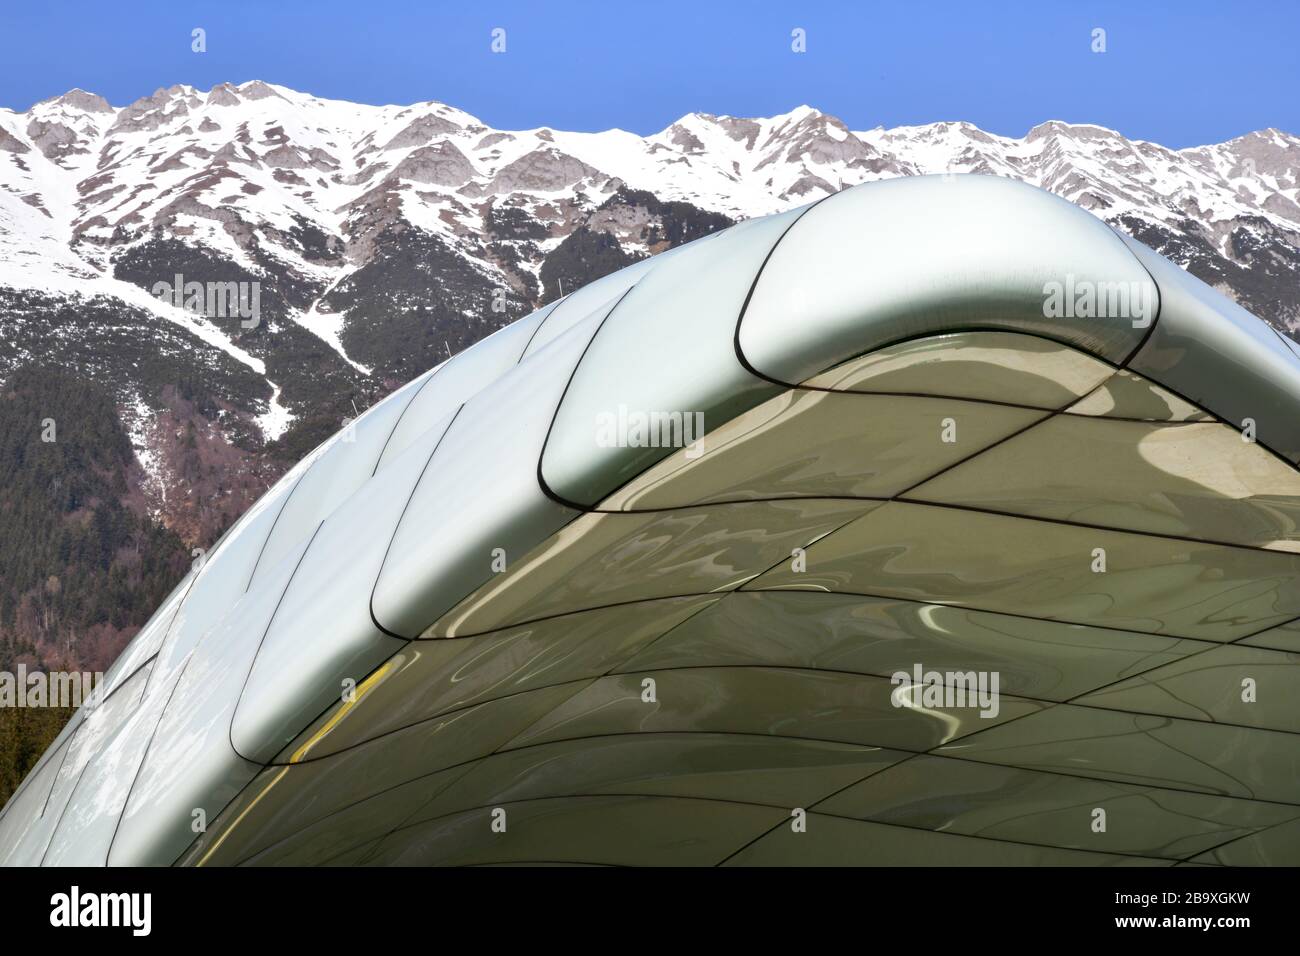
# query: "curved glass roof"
934, 523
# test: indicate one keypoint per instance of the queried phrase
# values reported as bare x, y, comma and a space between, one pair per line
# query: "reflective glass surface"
850, 287
433, 677
1228, 684
1146, 749
985, 366
834, 841
611, 558
1049, 809
1045, 660
1128, 395
687, 304
1194, 480
915, 482
806, 443
1020, 566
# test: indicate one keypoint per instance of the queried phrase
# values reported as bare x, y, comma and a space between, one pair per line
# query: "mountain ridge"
381, 240
384, 238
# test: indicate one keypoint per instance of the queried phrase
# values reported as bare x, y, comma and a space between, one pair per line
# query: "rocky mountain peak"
381, 239
79, 99
335, 205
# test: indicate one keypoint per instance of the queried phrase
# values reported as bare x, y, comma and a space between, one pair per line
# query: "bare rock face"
311, 194
1272, 153
82, 101
685, 140
441, 164
361, 176
54, 140
742, 130
233, 153
156, 111
223, 95
321, 160
543, 170
381, 236
35, 201
1280, 205
12, 144
182, 158
808, 185
421, 131
284, 157
821, 140
257, 90
1076, 133
491, 139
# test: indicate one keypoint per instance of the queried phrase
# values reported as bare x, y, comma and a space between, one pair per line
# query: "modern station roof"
911, 459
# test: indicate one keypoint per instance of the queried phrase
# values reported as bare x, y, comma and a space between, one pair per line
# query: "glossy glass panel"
782, 702
845, 632
479, 494
601, 294
28, 822
1025, 806
87, 822
622, 830
358, 825
1230, 684
433, 677
611, 558
54, 754
1154, 751
290, 797
1038, 569
580, 304
266, 824
1210, 349
1195, 480
686, 306
225, 574
898, 259
1279, 846
781, 772
457, 380
99, 724
147, 640
343, 465
834, 841
751, 769
190, 764
1289, 342
1285, 637
323, 633
49, 786
984, 366
1128, 395
832, 444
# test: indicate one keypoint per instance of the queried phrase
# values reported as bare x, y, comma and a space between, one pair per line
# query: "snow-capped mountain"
383, 238
379, 240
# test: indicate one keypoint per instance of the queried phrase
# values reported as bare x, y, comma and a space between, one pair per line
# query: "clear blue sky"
1179, 73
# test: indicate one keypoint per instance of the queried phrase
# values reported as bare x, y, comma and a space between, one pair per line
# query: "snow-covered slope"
385, 236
